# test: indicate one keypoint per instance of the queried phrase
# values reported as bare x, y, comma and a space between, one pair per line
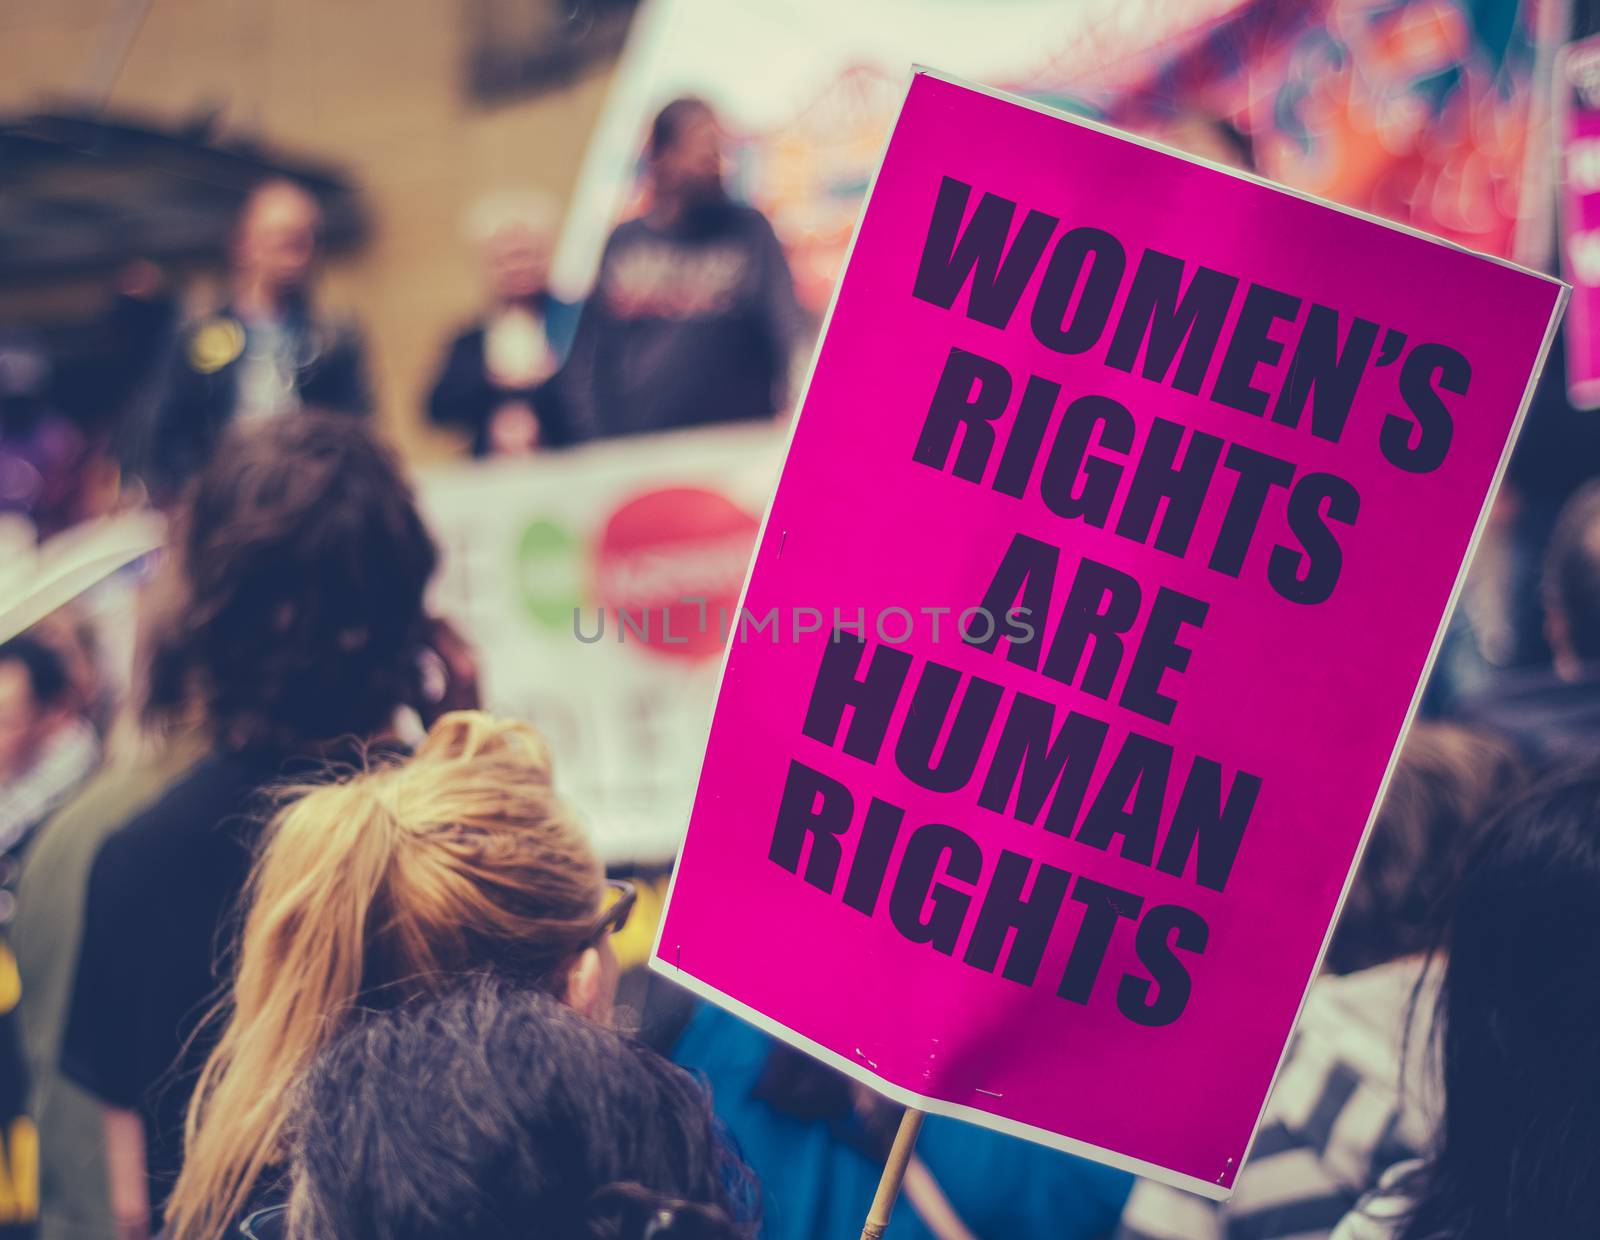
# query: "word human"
1063, 770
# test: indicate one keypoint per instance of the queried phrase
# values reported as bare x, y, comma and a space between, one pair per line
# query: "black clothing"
200, 391
465, 395
100, 387
688, 324
1554, 722
159, 925
13, 1107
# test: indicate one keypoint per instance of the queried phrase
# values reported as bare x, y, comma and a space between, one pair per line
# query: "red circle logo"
668, 568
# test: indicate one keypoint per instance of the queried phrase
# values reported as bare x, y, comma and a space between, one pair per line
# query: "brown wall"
373, 86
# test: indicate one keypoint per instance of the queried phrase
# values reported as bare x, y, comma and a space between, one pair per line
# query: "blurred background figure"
693, 317
111, 386
1552, 709
593, 1135
42, 452
493, 380
267, 351
47, 747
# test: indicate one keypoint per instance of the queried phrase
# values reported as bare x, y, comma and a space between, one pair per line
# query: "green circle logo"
550, 574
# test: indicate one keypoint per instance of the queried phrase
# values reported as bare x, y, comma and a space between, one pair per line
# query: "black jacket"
199, 395
464, 395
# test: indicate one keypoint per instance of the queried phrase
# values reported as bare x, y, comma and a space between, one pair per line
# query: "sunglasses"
621, 895
265, 1224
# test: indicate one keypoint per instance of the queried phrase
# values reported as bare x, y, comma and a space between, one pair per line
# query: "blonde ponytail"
368, 891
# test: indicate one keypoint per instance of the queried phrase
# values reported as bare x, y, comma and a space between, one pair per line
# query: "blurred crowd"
285, 910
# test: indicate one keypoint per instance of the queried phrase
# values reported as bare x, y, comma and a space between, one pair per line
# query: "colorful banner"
1578, 112
596, 585
1134, 493
1420, 111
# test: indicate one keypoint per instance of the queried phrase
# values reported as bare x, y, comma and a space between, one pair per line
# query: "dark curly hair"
498, 1113
1517, 1151
303, 564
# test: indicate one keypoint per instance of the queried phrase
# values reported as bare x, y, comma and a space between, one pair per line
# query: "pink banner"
1114, 539
1578, 108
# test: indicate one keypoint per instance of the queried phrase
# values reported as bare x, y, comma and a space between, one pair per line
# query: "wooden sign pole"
894, 1172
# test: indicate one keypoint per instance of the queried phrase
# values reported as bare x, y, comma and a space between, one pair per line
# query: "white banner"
597, 585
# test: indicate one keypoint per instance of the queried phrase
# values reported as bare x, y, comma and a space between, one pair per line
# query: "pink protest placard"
1115, 536
1577, 81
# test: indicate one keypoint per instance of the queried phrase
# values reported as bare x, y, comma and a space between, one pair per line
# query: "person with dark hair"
374, 888
1351, 1098
266, 352
1516, 1152
147, 750
1448, 781
498, 1113
693, 317
301, 631
1553, 713
47, 747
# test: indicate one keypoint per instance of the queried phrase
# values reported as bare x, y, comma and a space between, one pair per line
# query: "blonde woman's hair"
367, 892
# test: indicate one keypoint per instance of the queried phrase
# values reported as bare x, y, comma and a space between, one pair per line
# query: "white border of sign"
76, 560
936, 1106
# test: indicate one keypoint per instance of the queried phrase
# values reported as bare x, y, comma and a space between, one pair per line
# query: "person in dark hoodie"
693, 317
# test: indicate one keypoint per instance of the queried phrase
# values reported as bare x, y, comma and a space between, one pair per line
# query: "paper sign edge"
937, 1106
60, 584
658, 963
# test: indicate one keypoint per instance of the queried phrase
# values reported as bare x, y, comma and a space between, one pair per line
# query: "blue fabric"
561, 324
815, 1187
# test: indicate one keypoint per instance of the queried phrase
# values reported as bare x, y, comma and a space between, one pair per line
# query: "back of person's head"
374, 889
1518, 1152
304, 563
493, 1113
1572, 580
669, 123
1448, 783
